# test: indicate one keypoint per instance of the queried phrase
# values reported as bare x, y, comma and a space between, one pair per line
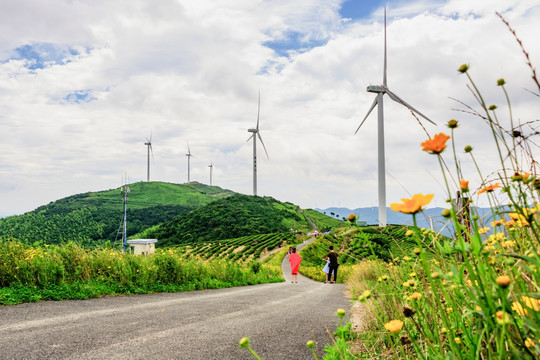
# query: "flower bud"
503, 281
409, 233
501, 82
492, 107
244, 342
341, 313
463, 68
468, 148
452, 124
446, 213
310, 344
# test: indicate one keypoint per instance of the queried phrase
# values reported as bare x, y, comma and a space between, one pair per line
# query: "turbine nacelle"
253, 130
376, 89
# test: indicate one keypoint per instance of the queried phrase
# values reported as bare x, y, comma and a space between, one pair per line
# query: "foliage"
353, 245
233, 217
475, 295
29, 273
90, 219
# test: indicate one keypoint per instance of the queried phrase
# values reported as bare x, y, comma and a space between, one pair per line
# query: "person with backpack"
332, 258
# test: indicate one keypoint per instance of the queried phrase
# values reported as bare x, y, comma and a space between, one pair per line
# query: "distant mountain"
96, 216
428, 218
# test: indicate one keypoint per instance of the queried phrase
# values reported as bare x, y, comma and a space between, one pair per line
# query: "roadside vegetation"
475, 295
53, 272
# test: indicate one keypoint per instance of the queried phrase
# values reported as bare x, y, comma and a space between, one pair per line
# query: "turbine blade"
152, 151
250, 137
384, 70
369, 112
189, 151
262, 142
258, 110
402, 102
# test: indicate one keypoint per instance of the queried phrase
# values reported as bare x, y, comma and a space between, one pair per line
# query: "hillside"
233, 217
93, 217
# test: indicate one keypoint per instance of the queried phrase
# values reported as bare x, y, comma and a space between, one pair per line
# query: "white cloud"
191, 71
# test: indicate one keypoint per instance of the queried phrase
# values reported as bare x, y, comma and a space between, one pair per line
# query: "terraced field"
244, 248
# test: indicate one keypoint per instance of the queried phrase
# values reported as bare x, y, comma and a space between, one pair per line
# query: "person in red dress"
295, 260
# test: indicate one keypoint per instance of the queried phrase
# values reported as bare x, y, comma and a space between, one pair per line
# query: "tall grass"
29, 273
476, 295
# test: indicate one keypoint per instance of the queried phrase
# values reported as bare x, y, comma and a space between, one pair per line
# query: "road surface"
278, 318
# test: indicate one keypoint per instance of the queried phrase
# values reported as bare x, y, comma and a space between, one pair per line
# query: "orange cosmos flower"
394, 325
489, 188
412, 205
464, 185
437, 144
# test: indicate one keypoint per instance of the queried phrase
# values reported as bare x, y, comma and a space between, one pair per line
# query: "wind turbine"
380, 90
188, 162
211, 166
148, 144
256, 134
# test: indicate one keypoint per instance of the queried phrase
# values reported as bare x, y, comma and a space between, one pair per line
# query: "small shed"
142, 246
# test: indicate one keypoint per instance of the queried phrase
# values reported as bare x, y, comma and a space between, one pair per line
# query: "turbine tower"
380, 90
211, 166
256, 134
148, 143
188, 162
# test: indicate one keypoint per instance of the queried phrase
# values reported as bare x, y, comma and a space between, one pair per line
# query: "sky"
85, 83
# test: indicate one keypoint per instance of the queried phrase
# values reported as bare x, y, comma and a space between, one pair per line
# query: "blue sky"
96, 80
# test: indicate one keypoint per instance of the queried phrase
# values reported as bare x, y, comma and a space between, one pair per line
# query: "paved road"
278, 318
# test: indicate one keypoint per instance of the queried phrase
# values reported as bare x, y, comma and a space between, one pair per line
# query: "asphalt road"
278, 318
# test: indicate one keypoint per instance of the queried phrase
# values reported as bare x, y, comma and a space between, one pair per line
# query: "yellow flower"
394, 326
483, 230
437, 144
412, 205
409, 233
435, 275
519, 219
416, 296
530, 303
406, 258
449, 310
529, 342
457, 340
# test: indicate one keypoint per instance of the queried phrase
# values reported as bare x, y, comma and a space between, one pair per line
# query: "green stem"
253, 353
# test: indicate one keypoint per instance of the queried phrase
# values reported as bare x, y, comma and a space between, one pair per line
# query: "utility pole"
125, 192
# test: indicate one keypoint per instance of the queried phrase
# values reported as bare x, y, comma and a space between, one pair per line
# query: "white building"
142, 246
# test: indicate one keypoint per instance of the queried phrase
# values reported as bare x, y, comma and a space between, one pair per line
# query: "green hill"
232, 217
92, 217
